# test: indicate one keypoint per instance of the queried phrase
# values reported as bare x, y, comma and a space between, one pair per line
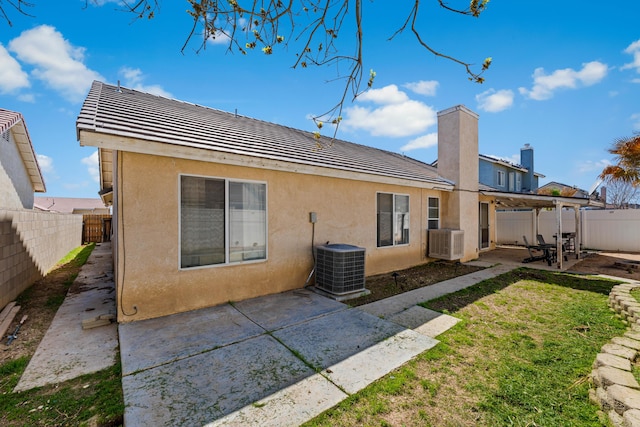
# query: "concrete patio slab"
361, 369
205, 387
149, 343
291, 406
427, 322
289, 308
67, 351
327, 340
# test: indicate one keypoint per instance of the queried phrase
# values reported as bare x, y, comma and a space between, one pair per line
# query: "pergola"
539, 202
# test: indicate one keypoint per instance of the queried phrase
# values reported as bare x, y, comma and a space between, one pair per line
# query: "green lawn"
521, 356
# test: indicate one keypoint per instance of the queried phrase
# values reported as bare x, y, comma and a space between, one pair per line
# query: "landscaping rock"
606, 376
631, 418
623, 398
634, 335
626, 342
620, 350
606, 359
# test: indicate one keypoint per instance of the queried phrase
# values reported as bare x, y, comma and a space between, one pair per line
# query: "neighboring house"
211, 207
502, 175
20, 175
558, 189
71, 205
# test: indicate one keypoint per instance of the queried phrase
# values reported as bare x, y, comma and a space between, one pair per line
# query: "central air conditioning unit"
340, 271
446, 244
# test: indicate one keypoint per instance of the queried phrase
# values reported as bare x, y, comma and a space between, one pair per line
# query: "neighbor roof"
123, 112
10, 120
67, 204
503, 162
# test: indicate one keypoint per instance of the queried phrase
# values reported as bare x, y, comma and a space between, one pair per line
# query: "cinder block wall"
31, 243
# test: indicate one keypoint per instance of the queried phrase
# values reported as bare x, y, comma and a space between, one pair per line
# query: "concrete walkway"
277, 360
67, 351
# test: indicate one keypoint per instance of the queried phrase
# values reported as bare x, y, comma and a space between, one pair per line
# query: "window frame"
501, 178
518, 182
394, 230
429, 217
227, 223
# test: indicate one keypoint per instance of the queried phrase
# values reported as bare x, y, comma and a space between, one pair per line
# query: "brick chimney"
458, 162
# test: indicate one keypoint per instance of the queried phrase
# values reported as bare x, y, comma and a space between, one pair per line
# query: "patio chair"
530, 248
553, 248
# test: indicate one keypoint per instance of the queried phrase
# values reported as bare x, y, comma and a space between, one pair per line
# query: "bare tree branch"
18, 5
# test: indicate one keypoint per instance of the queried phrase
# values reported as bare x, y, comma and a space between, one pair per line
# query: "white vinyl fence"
608, 230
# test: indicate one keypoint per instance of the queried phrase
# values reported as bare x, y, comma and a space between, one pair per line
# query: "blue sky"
565, 78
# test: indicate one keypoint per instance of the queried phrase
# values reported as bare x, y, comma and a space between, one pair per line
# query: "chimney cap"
527, 146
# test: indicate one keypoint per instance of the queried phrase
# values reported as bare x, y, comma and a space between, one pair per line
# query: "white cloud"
91, 162
12, 77
45, 163
27, 97
397, 115
592, 166
635, 118
493, 101
423, 87
635, 81
56, 61
386, 95
424, 141
544, 85
133, 78
633, 49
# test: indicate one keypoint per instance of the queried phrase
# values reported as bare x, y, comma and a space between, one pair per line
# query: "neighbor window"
393, 219
518, 182
501, 178
512, 181
433, 213
221, 221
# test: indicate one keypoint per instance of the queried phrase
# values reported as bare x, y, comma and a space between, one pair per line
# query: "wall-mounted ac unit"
340, 270
446, 244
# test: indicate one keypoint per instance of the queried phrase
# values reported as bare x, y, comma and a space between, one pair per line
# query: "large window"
393, 219
221, 221
433, 213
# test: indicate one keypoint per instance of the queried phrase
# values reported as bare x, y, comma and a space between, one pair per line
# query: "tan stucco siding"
148, 206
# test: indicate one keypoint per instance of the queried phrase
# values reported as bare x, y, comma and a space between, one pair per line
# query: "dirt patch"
40, 303
389, 284
605, 263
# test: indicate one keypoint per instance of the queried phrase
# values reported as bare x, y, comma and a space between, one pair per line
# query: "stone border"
616, 390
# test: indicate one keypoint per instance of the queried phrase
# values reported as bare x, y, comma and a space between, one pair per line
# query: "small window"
221, 221
433, 213
512, 181
501, 179
518, 182
393, 219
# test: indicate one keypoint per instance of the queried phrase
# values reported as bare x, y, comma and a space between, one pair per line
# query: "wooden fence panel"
96, 228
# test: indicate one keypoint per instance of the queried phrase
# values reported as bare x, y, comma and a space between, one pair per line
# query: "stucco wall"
16, 191
150, 283
31, 243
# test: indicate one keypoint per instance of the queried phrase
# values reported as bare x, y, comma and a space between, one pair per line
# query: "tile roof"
124, 112
67, 204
